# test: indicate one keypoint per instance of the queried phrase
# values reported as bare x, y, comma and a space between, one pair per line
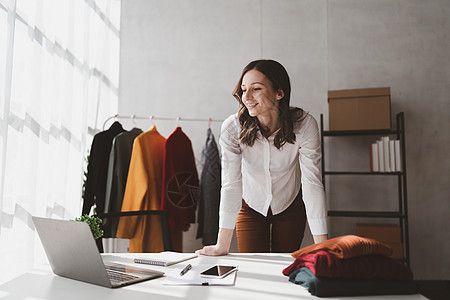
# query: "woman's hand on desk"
212, 250
223, 244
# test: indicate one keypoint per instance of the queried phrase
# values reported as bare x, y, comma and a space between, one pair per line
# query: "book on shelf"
398, 161
385, 155
386, 160
380, 156
374, 164
392, 155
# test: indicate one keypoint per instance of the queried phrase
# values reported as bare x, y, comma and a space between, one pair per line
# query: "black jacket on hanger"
119, 163
97, 168
209, 200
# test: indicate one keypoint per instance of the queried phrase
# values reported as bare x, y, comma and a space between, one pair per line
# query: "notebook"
73, 253
166, 258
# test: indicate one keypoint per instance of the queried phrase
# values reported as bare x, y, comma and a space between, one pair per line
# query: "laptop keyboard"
118, 278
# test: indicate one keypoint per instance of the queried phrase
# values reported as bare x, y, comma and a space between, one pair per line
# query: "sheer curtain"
59, 66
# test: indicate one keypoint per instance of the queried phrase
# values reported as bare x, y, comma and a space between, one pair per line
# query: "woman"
266, 148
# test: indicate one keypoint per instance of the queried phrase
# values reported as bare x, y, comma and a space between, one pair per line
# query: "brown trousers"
281, 233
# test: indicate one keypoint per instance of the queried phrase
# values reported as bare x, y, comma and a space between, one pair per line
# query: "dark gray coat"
119, 163
210, 184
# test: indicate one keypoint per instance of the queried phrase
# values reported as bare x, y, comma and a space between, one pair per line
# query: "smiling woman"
261, 99
270, 87
264, 147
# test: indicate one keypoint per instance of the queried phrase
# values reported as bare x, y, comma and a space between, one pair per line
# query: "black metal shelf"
361, 173
365, 214
402, 214
359, 132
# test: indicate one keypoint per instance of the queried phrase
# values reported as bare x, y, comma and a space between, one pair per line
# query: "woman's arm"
312, 187
320, 238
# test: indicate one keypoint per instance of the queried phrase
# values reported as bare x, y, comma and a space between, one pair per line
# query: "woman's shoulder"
305, 121
231, 123
230, 127
231, 118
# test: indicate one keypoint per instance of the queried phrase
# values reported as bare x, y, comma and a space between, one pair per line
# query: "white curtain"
59, 66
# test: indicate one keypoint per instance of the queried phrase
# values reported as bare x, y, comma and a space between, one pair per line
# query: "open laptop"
73, 253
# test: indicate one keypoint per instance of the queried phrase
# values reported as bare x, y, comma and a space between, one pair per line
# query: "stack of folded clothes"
350, 266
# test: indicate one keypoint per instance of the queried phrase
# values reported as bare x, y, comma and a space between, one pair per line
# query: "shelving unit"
402, 213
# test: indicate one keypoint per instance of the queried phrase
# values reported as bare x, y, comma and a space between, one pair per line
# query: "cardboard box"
386, 233
389, 234
360, 109
398, 250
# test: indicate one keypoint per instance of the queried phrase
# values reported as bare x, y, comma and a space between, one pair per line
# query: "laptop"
73, 253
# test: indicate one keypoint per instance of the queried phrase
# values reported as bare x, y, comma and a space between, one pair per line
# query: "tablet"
218, 271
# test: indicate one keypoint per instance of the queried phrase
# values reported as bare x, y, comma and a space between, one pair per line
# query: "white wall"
183, 58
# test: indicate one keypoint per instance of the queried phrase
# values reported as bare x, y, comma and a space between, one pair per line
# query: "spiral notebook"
166, 258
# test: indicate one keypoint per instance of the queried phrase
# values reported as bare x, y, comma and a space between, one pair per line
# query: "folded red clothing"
348, 246
325, 264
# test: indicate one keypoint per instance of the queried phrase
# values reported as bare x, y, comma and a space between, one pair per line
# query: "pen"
186, 269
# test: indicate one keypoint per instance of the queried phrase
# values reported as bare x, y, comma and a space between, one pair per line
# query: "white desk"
259, 277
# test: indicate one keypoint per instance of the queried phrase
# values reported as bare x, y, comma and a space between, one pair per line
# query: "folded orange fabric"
348, 246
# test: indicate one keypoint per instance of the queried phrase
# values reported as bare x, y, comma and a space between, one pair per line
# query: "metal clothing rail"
167, 238
152, 117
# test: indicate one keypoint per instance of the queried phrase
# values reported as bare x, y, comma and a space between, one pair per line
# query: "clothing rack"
152, 117
167, 239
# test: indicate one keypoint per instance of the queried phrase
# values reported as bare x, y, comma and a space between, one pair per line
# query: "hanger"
132, 119
151, 121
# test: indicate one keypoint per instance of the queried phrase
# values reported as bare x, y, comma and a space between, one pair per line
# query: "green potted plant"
94, 223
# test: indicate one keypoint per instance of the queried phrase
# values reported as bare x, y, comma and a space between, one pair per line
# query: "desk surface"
259, 277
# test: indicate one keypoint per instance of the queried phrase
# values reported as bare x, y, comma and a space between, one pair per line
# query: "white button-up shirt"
265, 176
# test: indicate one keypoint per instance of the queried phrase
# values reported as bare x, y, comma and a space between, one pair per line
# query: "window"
59, 70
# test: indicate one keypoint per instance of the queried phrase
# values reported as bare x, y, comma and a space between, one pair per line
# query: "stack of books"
385, 155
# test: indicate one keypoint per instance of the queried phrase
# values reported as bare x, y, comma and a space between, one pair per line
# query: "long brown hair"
279, 78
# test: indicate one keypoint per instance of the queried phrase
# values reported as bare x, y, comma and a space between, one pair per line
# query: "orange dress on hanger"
143, 192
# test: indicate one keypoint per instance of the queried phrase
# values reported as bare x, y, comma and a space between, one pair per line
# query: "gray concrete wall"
183, 58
